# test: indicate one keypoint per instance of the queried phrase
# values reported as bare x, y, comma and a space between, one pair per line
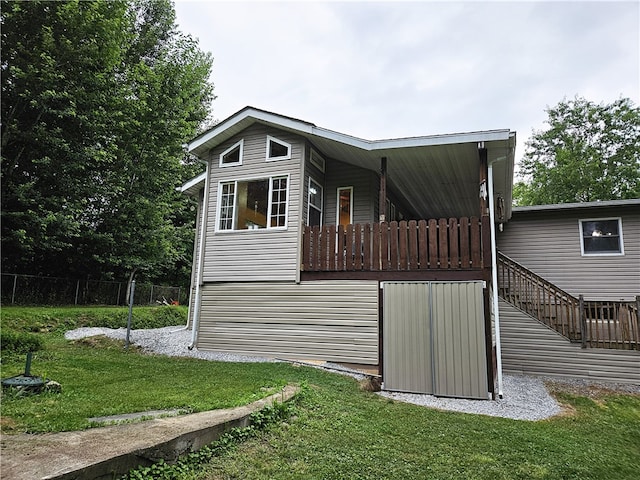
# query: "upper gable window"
232, 155
601, 236
277, 149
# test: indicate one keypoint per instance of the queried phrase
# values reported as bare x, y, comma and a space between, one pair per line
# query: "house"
316, 245
570, 290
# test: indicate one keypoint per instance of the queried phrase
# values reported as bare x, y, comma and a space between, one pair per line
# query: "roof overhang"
193, 186
438, 175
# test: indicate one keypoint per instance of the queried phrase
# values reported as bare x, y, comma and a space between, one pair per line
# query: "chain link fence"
34, 290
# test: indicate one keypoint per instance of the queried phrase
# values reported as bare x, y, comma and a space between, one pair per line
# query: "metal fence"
34, 290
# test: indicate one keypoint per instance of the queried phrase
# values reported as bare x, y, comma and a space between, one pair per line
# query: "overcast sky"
379, 70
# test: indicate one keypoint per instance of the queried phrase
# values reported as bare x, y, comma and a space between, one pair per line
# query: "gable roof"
436, 173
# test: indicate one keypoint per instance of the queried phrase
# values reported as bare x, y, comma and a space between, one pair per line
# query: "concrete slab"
106, 452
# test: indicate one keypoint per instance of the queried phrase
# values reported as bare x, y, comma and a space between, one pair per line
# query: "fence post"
133, 289
151, 296
77, 290
118, 297
179, 292
13, 294
583, 322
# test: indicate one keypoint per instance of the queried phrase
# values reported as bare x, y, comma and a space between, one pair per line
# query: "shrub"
19, 342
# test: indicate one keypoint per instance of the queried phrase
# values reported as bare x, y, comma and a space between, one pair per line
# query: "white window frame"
240, 145
279, 142
317, 160
601, 254
309, 206
338, 204
270, 179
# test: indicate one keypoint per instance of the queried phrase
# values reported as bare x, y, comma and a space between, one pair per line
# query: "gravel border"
524, 397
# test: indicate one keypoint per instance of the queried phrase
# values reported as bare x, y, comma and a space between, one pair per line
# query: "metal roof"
438, 175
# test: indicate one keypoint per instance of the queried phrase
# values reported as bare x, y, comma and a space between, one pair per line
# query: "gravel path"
524, 397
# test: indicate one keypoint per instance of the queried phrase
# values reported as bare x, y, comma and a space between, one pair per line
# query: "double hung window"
253, 204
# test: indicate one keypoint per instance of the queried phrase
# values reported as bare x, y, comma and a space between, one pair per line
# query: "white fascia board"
305, 128
431, 140
193, 182
249, 113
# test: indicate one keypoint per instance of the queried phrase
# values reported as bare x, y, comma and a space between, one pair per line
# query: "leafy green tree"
588, 152
97, 99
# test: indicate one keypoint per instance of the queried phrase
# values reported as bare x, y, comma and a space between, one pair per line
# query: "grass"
338, 431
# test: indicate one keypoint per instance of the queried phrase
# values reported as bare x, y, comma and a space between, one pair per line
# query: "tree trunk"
131, 277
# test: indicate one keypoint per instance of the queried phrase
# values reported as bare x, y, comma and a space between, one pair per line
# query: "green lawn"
338, 431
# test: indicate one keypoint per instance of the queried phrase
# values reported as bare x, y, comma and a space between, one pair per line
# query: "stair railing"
539, 298
599, 324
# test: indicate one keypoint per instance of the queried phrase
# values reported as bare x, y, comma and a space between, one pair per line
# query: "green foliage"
59, 320
588, 152
189, 464
19, 342
97, 99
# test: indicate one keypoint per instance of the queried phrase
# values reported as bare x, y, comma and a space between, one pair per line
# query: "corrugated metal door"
407, 360
433, 338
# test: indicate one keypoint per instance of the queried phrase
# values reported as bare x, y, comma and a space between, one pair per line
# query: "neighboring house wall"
254, 255
531, 348
548, 243
324, 320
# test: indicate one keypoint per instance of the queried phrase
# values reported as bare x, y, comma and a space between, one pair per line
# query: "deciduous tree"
588, 152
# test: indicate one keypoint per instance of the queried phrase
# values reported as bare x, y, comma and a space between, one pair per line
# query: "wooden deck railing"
592, 323
395, 246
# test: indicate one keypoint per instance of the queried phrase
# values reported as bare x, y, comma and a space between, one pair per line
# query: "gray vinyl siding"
531, 348
548, 243
323, 320
254, 255
364, 183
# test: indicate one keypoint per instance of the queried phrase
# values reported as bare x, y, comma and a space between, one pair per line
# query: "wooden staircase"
601, 324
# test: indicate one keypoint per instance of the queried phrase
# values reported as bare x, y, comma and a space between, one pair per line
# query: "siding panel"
531, 348
332, 320
255, 255
548, 243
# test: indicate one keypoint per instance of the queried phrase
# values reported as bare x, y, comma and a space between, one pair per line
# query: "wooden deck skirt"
444, 244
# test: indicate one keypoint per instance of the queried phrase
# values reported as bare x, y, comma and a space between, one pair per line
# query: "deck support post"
382, 205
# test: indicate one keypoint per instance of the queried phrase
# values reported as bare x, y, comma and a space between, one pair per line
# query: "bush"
19, 342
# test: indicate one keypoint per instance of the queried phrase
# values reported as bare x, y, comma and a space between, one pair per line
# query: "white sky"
379, 70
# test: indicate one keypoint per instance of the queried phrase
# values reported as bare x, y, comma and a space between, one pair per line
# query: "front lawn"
338, 430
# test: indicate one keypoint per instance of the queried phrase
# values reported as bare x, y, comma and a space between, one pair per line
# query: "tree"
588, 152
97, 99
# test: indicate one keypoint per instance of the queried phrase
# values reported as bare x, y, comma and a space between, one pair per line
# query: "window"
601, 236
253, 204
232, 155
317, 160
277, 149
345, 206
314, 210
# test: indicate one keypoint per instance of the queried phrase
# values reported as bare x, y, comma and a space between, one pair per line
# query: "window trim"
601, 254
270, 179
240, 145
338, 190
279, 142
309, 206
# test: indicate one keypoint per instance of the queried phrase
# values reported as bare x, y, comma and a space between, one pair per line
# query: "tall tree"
97, 99
588, 152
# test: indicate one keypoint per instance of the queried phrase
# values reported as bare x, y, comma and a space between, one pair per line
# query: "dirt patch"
104, 342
